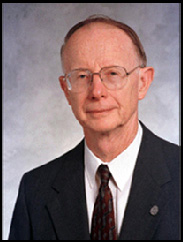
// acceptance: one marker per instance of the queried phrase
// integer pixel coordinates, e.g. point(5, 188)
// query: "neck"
point(108, 145)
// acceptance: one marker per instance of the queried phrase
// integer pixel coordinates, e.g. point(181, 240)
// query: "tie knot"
point(104, 174)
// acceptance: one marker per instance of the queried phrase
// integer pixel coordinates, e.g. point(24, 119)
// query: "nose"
point(96, 87)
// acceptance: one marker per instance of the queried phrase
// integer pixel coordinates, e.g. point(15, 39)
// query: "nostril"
point(96, 97)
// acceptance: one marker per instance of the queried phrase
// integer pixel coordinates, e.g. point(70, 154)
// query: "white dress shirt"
point(121, 169)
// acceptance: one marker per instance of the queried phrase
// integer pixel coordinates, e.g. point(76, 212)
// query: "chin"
point(101, 126)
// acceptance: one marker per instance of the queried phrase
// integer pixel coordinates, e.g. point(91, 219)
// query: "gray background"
point(38, 125)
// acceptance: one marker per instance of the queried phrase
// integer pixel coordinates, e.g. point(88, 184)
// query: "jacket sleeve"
point(20, 228)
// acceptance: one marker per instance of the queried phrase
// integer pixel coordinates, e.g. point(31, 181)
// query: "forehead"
point(98, 43)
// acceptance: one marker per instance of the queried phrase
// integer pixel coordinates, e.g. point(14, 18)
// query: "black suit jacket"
point(52, 202)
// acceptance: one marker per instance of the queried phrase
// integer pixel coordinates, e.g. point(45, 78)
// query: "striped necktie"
point(103, 221)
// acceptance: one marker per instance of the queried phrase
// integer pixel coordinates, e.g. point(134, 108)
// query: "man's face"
point(92, 47)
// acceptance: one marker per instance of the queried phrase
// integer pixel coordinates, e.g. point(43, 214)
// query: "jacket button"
point(154, 210)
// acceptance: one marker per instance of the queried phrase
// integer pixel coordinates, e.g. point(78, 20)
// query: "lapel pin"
point(154, 210)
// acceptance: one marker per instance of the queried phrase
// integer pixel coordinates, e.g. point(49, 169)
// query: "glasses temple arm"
point(128, 73)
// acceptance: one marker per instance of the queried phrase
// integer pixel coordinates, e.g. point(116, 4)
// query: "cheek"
point(127, 99)
point(134, 94)
point(77, 105)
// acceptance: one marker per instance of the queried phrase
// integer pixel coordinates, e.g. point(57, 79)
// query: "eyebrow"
point(88, 69)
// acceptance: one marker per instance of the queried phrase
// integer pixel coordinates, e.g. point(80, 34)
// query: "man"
point(121, 181)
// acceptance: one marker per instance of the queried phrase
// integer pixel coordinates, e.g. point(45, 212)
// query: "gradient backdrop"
point(38, 125)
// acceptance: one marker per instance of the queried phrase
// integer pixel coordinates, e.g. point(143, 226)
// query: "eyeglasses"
point(113, 78)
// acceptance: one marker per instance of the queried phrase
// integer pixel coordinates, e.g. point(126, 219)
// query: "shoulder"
point(159, 143)
point(44, 175)
point(160, 148)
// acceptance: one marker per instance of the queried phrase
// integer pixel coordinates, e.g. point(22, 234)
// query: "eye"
point(112, 73)
point(82, 76)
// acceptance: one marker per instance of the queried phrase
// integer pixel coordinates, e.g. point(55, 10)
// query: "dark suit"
point(52, 204)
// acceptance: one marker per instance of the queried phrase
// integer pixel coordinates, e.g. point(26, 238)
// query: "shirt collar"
point(121, 167)
point(91, 165)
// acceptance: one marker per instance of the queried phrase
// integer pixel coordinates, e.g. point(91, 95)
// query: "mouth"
point(99, 111)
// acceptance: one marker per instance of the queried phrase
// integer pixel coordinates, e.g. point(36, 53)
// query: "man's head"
point(104, 19)
point(94, 44)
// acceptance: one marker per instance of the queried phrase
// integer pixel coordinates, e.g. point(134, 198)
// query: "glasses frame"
point(66, 76)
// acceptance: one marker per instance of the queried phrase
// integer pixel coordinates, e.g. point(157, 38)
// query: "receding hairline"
point(106, 20)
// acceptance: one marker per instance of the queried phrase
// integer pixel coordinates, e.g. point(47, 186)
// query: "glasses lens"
point(113, 77)
point(78, 80)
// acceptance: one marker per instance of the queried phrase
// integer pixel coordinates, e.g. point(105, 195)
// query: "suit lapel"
point(147, 196)
point(68, 207)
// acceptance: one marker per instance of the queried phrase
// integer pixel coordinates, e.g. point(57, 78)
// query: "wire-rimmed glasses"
point(112, 77)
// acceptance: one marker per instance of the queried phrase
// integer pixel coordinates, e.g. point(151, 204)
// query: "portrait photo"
point(91, 121)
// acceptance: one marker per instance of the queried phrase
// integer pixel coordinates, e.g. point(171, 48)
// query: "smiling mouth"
point(100, 110)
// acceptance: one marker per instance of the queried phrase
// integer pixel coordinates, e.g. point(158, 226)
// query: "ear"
point(145, 80)
point(64, 87)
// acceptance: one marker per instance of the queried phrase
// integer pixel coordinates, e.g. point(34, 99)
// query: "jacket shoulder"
point(159, 143)
point(45, 174)
point(161, 149)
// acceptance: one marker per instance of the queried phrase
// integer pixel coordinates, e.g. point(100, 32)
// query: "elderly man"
point(121, 181)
